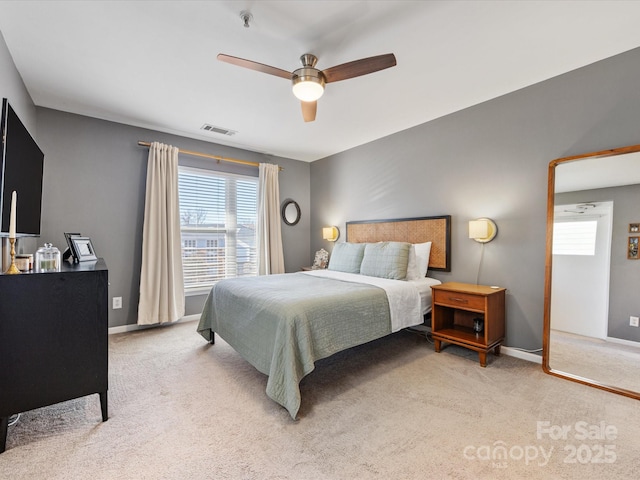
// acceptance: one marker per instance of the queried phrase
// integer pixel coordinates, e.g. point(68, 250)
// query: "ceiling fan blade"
point(359, 67)
point(260, 67)
point(309, 111)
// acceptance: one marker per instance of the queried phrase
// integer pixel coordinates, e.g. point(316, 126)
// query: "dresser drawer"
point(458, 300)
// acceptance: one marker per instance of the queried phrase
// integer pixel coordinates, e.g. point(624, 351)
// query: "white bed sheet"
point(424, 287)
point(406, 298)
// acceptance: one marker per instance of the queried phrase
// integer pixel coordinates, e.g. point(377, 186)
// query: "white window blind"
point(218, 218)
point(575, 237)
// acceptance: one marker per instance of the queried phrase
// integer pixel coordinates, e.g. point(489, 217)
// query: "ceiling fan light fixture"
point(308, 84)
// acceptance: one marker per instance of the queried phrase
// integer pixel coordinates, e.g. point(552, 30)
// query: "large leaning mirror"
point(592, 277)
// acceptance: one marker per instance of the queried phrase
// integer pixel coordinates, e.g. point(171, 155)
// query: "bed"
point(375, 285)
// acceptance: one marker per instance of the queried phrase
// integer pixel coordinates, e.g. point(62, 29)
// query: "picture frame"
point(632, 248)
point(634, 228)
point(83, 248)
point(70, 253)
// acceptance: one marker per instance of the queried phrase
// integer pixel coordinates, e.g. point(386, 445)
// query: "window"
point(218, 218)
point(575, 237)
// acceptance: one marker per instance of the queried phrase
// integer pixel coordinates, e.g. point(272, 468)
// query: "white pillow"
point(418, 260)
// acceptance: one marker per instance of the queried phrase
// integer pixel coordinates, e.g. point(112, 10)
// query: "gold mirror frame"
point(548, 269)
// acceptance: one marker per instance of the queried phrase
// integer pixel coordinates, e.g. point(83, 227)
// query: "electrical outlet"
point(634, 321)
point(117, 302)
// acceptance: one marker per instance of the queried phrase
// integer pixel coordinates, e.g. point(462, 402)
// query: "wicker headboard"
point(436, 230)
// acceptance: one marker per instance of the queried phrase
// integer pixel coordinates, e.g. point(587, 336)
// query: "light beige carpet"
point(391, 409)
point(600, 360)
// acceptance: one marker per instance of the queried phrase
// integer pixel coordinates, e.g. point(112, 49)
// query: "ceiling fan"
point(308, 82)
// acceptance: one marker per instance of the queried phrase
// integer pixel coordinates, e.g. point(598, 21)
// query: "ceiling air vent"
point(220, 130)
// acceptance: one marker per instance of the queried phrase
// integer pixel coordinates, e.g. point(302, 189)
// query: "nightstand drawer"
point(458, 299)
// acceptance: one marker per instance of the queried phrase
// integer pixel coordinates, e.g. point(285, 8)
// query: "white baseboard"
point(515, 352)
point(134, 327)
point(510, 351)
point(621, 341)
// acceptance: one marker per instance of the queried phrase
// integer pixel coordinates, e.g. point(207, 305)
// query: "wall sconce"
point(330, 233)
point(483, 230)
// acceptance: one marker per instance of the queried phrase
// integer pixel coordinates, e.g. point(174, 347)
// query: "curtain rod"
point(213, 157)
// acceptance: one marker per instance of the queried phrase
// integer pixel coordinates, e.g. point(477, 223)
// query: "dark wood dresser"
point(53, 338)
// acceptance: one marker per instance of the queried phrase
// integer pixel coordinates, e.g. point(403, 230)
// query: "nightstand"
point(307, 269)
point(455, 309)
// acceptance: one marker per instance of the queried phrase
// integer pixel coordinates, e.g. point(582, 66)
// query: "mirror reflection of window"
point(575, 237)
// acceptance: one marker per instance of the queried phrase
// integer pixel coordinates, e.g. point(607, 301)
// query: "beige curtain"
point(270, 256)
point(161, 282)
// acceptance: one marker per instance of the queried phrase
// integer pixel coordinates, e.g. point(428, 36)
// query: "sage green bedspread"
point(282, 324)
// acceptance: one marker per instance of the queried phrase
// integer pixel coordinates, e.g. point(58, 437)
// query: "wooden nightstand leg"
point(436, 345)
point(497, 350)
point(483, 358)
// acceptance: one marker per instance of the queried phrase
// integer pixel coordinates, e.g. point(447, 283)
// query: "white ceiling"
point(153, 63)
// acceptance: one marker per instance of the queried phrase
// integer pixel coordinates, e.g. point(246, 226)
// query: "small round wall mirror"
point(290, 212)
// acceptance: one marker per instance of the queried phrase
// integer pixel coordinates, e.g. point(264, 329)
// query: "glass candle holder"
point(48, 259)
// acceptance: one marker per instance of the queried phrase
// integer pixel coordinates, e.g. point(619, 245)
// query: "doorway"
point(581, 250)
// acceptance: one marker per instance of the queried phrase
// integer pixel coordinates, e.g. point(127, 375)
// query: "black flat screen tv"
point(22, 172)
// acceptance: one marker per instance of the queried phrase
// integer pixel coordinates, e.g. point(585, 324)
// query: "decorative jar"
point(24, 261)
point(48, 259)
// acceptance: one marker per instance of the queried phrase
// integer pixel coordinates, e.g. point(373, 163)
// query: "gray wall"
point(12, 88)
point(624, 282)
point(94, 183)
point(488, 160)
